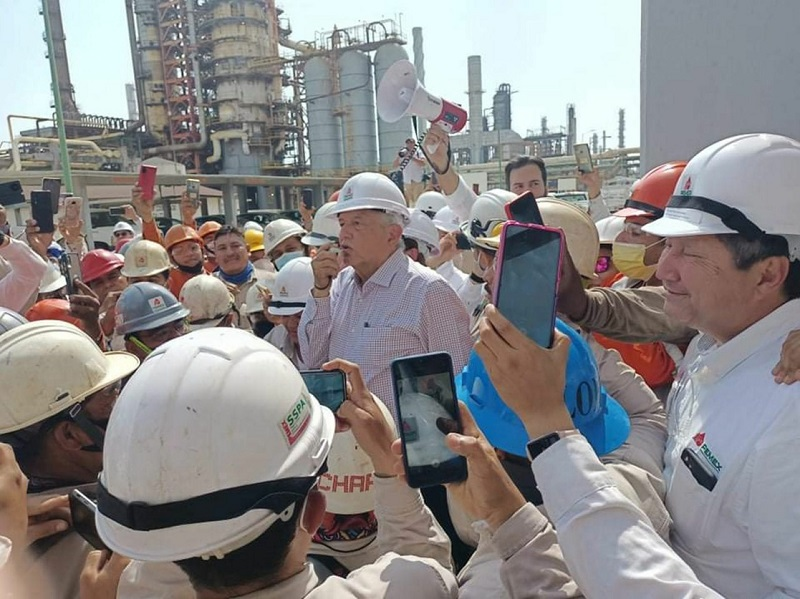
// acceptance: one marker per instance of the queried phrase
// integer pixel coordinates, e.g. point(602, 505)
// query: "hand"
point(47, 518)
point(592, 181)
point(101, 574)
point(787, 371)
point(39, 242)
point(306, 214)
point(13, 500)
point(572, 299)
point(325, 266)
point(436, 143)
point(130, 212)
point(488, 493)
point(71, 233)
point(188, 208)
point(142, 206)
point(365, 419)
point(530, 379)
point(85, 306)
point(447, 251)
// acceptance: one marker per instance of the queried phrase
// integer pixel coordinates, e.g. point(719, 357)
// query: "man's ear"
point(313, 511)
point(70, 437)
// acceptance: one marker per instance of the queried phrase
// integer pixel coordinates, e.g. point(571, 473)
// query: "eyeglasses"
point(158, 336)
point(602, 265)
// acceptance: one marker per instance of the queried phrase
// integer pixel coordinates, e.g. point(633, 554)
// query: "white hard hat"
point(487, 212)
point(52, 279)
point(446, 220)
point(123, 226)
point(252, 225)
point(424, 440)
point(430, 201)
point(324, 229)
point(253, 303)
point(744, 184)
point(278, 231)
point(145, 258)
point(48, 366)
point(371, 191)
point(293, 283)
point(208, 300)
point(194, 427)
point(422, 229)
point(580, 233)
point(608, 228)
point(10, 320)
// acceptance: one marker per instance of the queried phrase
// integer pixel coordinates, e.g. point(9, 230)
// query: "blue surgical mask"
point(286, 258)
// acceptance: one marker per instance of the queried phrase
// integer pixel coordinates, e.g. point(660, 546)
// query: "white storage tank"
point(391, 136)
point(358, 104)
point(324, 129)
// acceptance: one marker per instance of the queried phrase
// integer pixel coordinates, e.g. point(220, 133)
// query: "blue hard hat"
point(146, 306)
point(596, 414)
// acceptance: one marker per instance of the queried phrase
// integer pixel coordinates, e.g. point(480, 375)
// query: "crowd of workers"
point(165, 385)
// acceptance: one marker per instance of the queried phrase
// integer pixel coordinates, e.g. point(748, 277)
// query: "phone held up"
point(147, 181)
point(328, 386)
point(193, 191)
point(526, 283)
point(308, 198)
point(42, 210)
point(524, 209)
point(83, 510)
point(583, 157)
point(427, 409)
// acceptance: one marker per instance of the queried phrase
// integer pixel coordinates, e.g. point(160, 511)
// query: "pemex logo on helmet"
point(687, 187)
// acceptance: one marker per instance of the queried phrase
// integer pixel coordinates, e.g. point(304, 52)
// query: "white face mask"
point(286, 258)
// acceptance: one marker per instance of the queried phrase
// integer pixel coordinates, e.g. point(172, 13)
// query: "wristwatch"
point(537, 446)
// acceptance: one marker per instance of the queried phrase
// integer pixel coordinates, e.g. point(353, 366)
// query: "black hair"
point(521, 161)
point(228, 230)
point(747, 252)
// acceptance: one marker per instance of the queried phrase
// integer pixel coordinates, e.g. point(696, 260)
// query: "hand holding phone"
point(72, 211)
point(193, 191)
point(147, 182)
point(328, 386)
point(583, 157)
point(42, 211)
point(83, 511)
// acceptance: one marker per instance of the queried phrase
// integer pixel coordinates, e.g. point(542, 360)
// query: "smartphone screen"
point(116, 211)
point(583, 157)
point(524, 209)
point(54, 187)
point(147, 181)
point(193, 189)
point(328, 386)
point(427, 410)
point(42, 210)
point(529, 261)
point(83, 510)
point(308, 198)
point(66, 270)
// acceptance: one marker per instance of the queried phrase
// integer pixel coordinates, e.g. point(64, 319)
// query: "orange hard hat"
point(53, 309)
point(97, 263)
point(180, 233)
point(334, 197)
point(208, 228)
point(650, 194)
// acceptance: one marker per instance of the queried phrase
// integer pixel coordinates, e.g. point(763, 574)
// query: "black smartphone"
point(425, 398)
point(83, 510)
point(42, 210)
point(54, 187)
point(524, 209)
point(526, 283)
point(116, 211)
point(11, 193)
point(66, 270)
point(462, 241)
point(701, 472)
point(328, 386)
point(308, 198)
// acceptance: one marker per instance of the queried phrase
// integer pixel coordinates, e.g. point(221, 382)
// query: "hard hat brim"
point(317, 239)
point(686, 222)
point(629, 212)
point(610, 430)
point(287, 311)
point(54, 286)
point(377, 204)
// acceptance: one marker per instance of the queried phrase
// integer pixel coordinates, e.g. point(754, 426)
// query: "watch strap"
point(537, 446)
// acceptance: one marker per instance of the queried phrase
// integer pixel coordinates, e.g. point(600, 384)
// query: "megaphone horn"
point(401, 94)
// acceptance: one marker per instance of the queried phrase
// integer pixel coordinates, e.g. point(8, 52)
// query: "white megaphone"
point(401, 94)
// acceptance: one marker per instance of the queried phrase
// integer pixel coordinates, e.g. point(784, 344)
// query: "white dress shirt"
point(402, 310)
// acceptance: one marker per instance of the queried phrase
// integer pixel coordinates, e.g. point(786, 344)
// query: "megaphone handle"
point(432, 149)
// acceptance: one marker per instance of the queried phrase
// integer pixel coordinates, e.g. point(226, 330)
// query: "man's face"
point(122, 235)
point(231, 253)
point(292, 323)
point(365, 236)
point(632, 233)
point(704, 288)
point(187, 253)
point(293, 244)
point(112, 281)
point(208, 243)
point(155, 338)
point(527, 178)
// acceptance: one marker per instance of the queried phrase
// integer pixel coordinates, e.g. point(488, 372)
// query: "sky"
point(552, 52)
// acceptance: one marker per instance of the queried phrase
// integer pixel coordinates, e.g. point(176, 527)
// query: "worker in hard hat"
point(282, 242)
point(146, 262)
point(207, 231)
point(122, 232)
point(148, 316)
point(324, 232)
point(607, 229)
point(258, 298)
point(185, 249)
point(210, 303)
point(412, 163)
point(255, 244)
point(258, 545)
point(420, 237)
point(731, 269)
point(430, 202)
point(234, 267)
point(25, 270)
point(101, 270)
point(53, 284)
point(291, 288)
point(59, 389)
point(382, 304)
point(447, 226)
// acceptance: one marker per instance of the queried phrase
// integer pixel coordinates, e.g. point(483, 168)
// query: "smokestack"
point(621, 128)
point(572, 128)
point(475, 94)
point(545, 130)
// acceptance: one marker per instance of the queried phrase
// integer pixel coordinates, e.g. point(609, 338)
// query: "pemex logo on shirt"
point(700, 441)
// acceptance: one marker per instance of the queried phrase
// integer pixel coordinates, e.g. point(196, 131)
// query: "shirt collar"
point(723, 358)
point(299, 585)
point(385, 274)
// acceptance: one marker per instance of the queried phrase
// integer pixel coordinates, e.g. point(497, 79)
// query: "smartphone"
point(147, 181)
point(462, 241)
point(328, 386)
point(83, 511)
point(193, 189)
point(308, 198)
point(65, 267)
point(116, 211)
point(72, 211)
point(583, 157)
point(54, 187)
point(526, 282)
point(524, 209)
point(425, 398)
point(11, 193)
point(42, 210)
point(701, 472)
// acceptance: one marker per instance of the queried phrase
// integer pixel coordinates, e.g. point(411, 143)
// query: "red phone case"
point(147, 181)
point(498, 278)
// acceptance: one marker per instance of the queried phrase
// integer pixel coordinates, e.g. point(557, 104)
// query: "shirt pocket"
point(688, 503)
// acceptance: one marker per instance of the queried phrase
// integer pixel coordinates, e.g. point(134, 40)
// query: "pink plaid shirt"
point(402, 310)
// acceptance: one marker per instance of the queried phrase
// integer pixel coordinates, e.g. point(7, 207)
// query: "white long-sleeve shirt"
point(27, 270)
point(741, 539)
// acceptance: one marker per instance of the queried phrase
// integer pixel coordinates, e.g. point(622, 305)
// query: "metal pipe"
point(138, 77)
point(62, 133)
point(218, 136)
point(201, 116)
